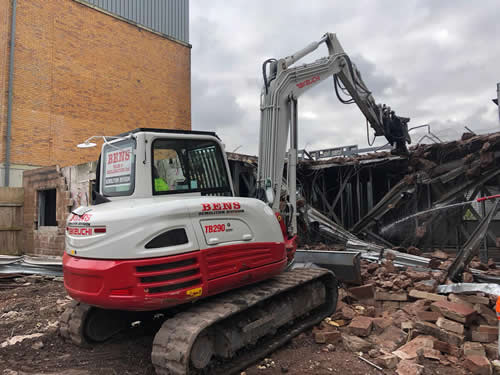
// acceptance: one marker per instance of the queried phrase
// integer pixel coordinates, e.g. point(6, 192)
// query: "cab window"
point(181, 166)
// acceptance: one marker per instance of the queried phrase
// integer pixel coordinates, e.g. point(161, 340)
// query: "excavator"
point(166, 235)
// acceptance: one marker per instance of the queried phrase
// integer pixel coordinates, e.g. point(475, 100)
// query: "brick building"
point(83, 68)
point(80, 68)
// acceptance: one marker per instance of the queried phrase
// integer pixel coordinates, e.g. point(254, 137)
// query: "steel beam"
point(471, 246)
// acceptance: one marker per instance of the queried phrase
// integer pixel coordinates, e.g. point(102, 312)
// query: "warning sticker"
point(196, 292)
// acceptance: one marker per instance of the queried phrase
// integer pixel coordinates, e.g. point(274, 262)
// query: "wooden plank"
point(11, 216)
point(10, 242)
point(11, 220)
point(11, 195)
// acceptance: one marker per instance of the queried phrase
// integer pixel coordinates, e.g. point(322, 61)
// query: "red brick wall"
point(80, 72)
point(44, 240)
point(4, 69)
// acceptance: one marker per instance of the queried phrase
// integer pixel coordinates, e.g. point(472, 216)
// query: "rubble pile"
point(398, 322)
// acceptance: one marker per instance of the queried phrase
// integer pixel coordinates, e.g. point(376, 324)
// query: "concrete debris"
point(14, 340)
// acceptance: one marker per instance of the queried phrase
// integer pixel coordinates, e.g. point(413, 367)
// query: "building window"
point(47, 208)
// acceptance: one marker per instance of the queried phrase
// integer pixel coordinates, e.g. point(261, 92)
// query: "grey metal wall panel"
point(170, 17)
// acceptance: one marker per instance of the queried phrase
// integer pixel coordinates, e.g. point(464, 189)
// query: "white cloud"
point(435, 62)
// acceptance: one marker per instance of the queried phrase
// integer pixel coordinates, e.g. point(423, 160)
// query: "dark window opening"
point(47, 208)
point(170, 238)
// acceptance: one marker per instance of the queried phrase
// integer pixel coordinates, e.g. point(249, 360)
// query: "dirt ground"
point(34, 306)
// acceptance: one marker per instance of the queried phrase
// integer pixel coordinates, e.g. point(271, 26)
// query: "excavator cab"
point(154, 162)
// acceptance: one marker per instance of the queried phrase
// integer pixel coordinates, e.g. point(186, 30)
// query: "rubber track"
point(71, 323)
point(173, 342)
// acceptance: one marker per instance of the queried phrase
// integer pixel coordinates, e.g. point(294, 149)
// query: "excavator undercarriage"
point(225, 333)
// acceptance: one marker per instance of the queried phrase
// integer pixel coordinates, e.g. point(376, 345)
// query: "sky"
point(436, 62)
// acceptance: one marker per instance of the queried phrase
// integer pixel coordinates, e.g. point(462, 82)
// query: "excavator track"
point(84, 325)
point(229, 332)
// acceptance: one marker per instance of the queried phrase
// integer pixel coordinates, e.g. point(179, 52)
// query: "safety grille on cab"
point(171, 276)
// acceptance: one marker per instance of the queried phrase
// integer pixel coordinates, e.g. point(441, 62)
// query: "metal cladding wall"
point(169, 17)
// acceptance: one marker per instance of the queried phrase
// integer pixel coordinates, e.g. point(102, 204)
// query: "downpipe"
point(9, 94)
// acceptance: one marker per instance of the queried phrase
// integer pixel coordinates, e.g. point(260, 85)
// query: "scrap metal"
point(471, 247)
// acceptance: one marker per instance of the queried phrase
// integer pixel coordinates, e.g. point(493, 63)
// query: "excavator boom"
point(283, 85)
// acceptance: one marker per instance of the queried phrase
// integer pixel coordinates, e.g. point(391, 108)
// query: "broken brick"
point(426, 285)
point(478, 365)
point(387, 361)
point(409, 350)
point(414, 251)
point(389, 265)
point(418, 276)
point(361, 326)
point(439, 254)
point(491, 351)
point(492, 330)
point(327, 337)
point(362, 292)
point(488, 314)
point(385, 296)
point(419, 305)
point(457, 299)
point(347, 312)
point(425, 295)
point(450, 325)
point(409, 368)
point(428, 316)
point(447, 348)
point(380, 324)
point(472, 299)
point(467, 277)
point(427, 328)
point(491, 264)
point(406, 326)
point(355, 343)
point(455, 311)
point(478, 336)
point(473, 348)
point(429, 353)
point(391, 339)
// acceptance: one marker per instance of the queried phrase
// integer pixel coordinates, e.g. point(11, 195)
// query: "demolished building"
point(363, 194)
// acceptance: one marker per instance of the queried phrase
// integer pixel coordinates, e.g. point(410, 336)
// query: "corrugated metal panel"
point(170, 17)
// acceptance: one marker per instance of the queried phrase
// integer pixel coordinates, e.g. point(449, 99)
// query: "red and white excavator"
point(167, 233)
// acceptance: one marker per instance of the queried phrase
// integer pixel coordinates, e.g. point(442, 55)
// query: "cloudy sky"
point(434, 61)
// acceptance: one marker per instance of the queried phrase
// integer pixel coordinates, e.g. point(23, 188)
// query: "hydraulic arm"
point(283, 84)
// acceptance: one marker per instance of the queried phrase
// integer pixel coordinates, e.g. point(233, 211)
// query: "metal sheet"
point(345, 264)
point(7, 259)
point(31, 266)
point(469, 288)
point(169, 17)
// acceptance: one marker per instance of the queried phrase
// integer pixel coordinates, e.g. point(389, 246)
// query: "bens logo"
point(84, 218)
point(220, 206)
point(308, 82)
